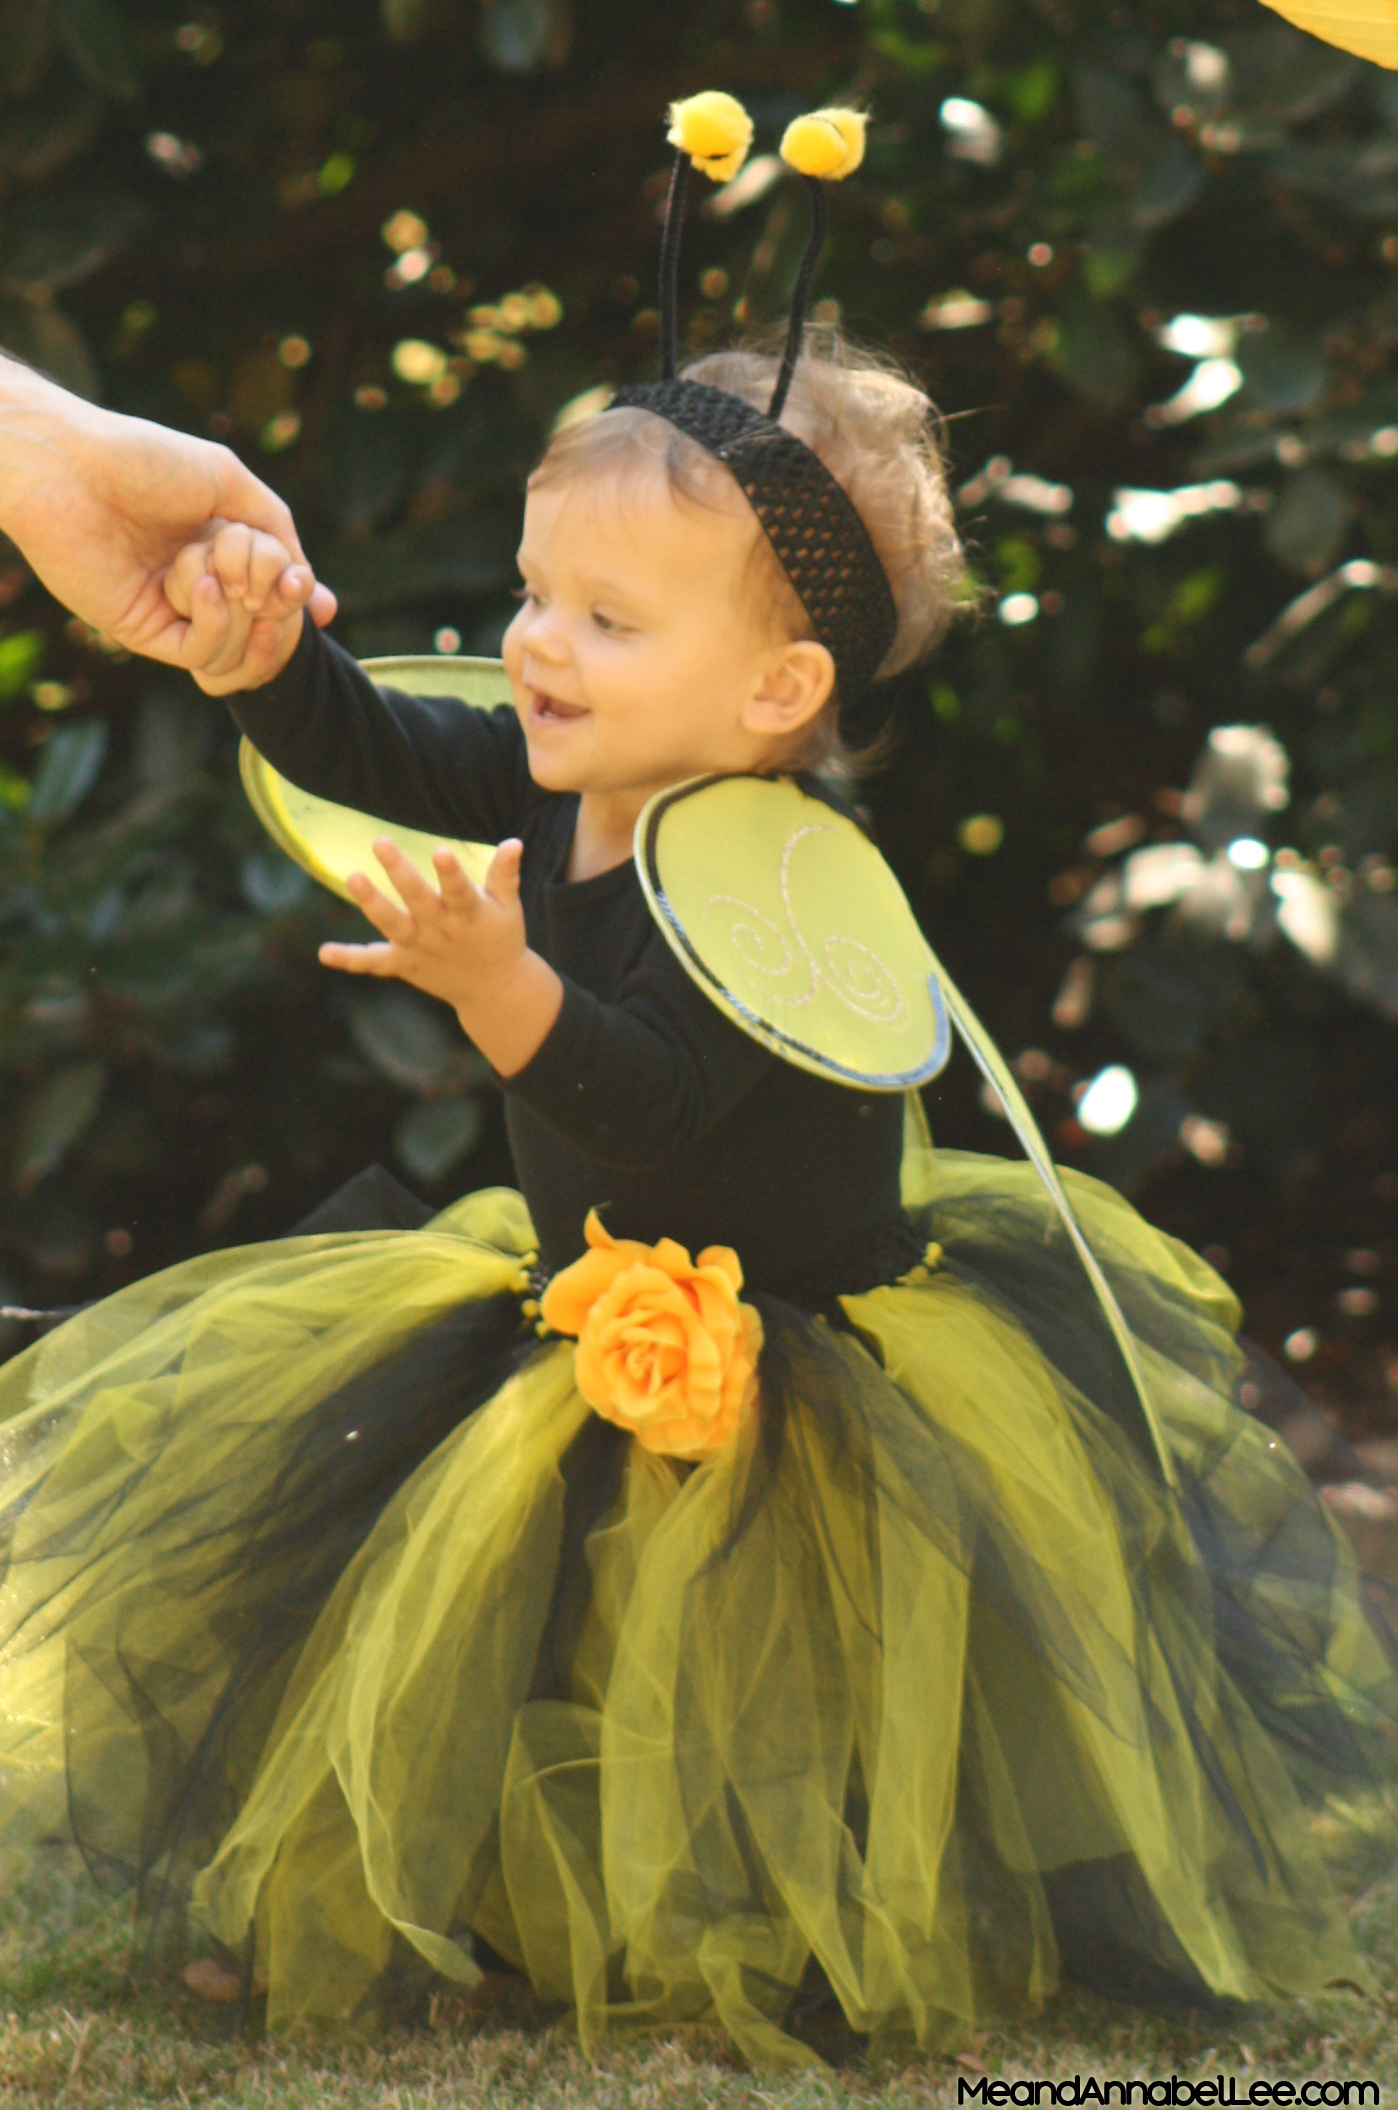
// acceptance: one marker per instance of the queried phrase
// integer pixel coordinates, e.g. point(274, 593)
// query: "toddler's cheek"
point(512, 653)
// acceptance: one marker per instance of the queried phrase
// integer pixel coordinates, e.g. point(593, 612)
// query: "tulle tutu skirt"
point(334, 1621)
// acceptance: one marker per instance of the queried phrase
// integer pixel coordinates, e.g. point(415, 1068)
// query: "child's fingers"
point(210, 619)
point(189, 567)
point(385, 915)
point(502, 879)
point(267, 651)
point(229, 647)
point(293, 590)
point(457, 890)
point(264, 654)
point(360, 959)
point(231, 559)
point(422, 899)
point(267, 562)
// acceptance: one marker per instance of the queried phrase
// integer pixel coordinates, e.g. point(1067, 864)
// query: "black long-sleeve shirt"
point(643, 1095)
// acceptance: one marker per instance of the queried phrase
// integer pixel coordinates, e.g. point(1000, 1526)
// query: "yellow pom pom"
point(828, 143)
point(714, 130)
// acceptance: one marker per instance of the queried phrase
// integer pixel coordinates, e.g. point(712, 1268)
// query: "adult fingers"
point(385, 915)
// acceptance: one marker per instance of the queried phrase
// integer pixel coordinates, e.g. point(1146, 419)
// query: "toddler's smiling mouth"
point(549, 710)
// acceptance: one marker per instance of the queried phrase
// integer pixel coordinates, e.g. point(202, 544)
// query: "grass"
point(78, 2029)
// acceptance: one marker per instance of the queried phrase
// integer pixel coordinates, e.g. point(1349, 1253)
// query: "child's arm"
point(631, 1082)
point(424, 762)
point(464, 944)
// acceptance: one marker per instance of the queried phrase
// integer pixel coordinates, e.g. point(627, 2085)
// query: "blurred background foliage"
point(1145, 259)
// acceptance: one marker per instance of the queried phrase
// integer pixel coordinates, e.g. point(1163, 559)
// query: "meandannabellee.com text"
point(1220, 2088)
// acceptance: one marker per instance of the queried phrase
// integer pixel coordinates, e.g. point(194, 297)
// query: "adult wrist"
point(36, 416)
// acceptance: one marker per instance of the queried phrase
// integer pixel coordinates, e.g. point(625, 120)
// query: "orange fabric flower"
point(665, 1348)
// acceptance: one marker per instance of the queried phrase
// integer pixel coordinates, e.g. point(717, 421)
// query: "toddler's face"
point(638, 649)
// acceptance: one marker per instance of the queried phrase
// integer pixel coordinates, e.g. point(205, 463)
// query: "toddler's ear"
point(796, 686)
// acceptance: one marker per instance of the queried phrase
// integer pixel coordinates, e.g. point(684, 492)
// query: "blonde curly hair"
point(876, 432)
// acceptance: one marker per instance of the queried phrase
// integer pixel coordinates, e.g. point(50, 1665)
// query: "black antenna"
point(670, 264)
point(796, 329)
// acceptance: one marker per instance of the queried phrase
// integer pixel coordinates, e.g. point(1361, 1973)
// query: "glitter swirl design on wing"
point(849, 969)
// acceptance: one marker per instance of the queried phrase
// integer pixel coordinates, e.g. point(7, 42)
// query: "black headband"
point(810, 520)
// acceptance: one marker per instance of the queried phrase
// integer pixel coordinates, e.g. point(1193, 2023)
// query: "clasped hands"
point(131, 526)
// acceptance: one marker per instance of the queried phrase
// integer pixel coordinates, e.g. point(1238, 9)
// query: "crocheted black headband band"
point(810, 520)
point(820, 541)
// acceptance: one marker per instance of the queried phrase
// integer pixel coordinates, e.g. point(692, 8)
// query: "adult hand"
point(100, 504)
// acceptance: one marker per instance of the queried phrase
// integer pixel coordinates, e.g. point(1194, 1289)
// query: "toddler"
point(732, 1572)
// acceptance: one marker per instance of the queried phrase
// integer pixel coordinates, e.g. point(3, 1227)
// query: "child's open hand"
point(461, 944)
point(222, 584)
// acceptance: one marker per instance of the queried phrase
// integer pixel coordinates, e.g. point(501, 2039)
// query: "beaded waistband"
point(886, 1252)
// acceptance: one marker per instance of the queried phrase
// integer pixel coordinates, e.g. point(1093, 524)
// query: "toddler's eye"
point(523, 593)
point(609, 624)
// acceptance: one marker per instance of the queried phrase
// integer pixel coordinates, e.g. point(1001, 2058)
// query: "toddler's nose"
point(543, 638)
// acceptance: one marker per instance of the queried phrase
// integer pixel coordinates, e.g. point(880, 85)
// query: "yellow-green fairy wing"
point(785, 913)
point(1369, 28)
point(788, 918)
point(998, 1074)
point(332, 841)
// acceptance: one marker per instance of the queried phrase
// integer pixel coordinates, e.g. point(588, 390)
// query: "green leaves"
point(1096, 350)
point(435, 1135)
point(21, 656)
point(409, 1039)
point(1309, 526)
point(1283, 371)
point(46, 338)
point(72, 762)
point(519, 35)
point(61, 238)
point(271, 883)
point(97, 38)
point(54, 1120)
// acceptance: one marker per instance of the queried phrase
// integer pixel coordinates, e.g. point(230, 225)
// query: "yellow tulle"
point(915, 1673)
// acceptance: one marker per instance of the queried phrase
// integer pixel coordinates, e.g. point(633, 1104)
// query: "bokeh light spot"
point(1109, 1101)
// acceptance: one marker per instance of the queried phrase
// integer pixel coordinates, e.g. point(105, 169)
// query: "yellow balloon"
point(1368, 28)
